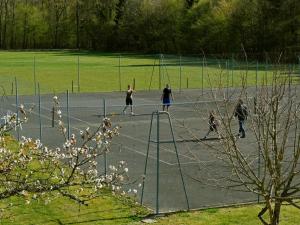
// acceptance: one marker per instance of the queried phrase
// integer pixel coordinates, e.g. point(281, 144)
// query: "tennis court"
point(198, 158)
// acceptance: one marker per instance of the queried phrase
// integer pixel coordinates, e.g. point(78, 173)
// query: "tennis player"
point(166, 97)
point(128, 100)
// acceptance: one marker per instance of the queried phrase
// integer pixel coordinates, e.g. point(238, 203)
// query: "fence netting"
point(199, 167)
point(57, 72)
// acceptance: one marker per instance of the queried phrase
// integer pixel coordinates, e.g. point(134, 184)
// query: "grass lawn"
point(111, 210)
point(229, 216)
point(55, 71)
point(106, 210)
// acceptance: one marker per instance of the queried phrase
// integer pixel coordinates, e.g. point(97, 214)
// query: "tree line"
point(170, 26)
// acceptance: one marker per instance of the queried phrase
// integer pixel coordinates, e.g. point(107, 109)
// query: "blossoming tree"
point(31, 170)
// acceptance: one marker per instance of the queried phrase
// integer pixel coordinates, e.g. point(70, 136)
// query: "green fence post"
point(290, 77)
point(259, 156)
point(159, 73)
point(12, 88)
point(227, 76)
point(187, 83)
point(157, 164)
point(53, 116)
point(68, 115)
point(299, 64)
point(146, 162)
point(120, 83)
point(133, 83)
point(34, 76)
point(17, 109)
point(40, 118)
point(180, 73)
point(232, 69)
point(78, 74)
point(178, 161)
point(298, 73)
point(202, 80)
point(256, 78)
point(104, 154)
point(266, 72)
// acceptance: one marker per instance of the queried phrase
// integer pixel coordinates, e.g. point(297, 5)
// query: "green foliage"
point(173, 26)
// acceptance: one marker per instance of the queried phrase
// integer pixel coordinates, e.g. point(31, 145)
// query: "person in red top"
point(128, 99)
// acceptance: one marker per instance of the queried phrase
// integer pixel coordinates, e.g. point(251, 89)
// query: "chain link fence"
point(87, 72)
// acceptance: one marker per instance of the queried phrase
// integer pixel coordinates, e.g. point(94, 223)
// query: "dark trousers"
point(242, 128)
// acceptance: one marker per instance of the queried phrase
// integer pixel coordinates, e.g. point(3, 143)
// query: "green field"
point(106, 210)
point(110, 210)
point(55, 71)
point(229, 216)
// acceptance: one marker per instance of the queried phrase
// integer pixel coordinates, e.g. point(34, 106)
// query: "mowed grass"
point(229, 216)
point(104, 210)
point(56, 70)
point(111, 210)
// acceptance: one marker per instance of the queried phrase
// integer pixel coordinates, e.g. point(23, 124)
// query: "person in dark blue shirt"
point(166, 98)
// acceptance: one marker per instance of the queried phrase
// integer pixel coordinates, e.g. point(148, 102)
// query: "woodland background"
point(166, 26)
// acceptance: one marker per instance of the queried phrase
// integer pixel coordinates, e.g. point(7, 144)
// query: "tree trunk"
point(4, 45)
point(25, 24)
point(276, 213)
point(13, 24)
point(1, 13)
point(77, 25)
point(55, 35)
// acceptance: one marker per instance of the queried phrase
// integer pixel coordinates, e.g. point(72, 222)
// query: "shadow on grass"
point(168, 60)
point(94, 216)
point(132, 218)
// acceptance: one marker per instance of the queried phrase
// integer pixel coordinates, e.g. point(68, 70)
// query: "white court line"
point(165, 162)
point(131, 149)
point(91, 125)
point(144, 154)
point(196, 162)
point(127, 136)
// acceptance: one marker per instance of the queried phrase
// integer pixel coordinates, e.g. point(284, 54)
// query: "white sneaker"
point(132, 113)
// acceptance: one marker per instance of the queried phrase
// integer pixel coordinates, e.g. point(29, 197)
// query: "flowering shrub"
point(34, 171)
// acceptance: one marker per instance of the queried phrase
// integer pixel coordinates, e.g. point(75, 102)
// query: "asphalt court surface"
point(189, 114)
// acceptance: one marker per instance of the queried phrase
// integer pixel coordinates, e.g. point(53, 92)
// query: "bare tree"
point(57, 15)
point(269, 166)
point(274, 172)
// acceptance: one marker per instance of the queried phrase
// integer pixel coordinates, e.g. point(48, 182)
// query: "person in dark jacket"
point(166, 97)
point(241, 112)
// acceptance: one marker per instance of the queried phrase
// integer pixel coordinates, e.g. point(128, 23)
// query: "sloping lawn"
point(229, 216)
point(111, 210)
point(106, 210)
